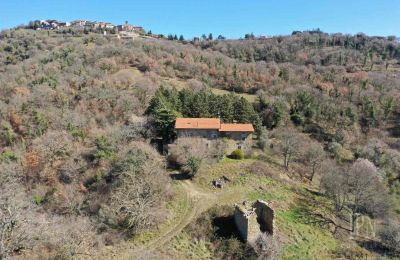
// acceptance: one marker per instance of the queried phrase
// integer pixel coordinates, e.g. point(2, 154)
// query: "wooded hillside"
point(78, 114)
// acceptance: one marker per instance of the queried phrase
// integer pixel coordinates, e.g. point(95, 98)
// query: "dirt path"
point(200, 200)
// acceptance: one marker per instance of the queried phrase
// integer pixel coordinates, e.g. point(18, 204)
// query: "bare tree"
point(14, 235)
point(139, 182)
point(332, 183)
point(314, 156)
point(366, 192)
point(290, 145)
point(196, 149)
point(54, 145)
point(360, 190)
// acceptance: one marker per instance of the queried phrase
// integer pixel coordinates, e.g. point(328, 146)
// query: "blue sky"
point(229, 18)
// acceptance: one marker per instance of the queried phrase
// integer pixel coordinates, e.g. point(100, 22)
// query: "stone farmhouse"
point(238, 136)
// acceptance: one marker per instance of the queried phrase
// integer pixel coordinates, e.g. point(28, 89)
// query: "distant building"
point(105, 25)
point(91, 25)
point(78, 23)
point(129, 28)
point(48, 25)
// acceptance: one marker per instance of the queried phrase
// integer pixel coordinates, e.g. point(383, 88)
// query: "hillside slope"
point(80, 116)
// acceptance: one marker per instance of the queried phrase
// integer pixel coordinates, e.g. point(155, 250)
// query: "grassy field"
point(251, 98)
point(180, 84)
point(300, 228)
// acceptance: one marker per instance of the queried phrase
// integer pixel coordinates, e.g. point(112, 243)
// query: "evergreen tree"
point(227, 108)
point(164, 122)
point(186, 97)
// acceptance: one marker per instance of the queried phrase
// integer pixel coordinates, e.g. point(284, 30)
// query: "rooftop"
point(236, 128)
point(197, 123)
point(211, 123)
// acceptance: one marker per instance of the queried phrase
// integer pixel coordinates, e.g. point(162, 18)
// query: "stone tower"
point(252, 220)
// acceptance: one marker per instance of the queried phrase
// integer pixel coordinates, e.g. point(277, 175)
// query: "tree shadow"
point(377, 248)
point(225, 227)
point(313, 212)
point(179, 176)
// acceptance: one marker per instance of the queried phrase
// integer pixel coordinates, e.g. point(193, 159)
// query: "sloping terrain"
point(82, 114)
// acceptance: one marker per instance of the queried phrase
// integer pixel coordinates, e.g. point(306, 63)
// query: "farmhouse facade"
point(239, 136)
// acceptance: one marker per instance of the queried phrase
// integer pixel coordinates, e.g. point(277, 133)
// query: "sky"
point(232, 19)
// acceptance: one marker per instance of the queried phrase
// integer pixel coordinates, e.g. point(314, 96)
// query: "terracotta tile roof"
point(211, 123)
point(236, 128)
point(197, 123)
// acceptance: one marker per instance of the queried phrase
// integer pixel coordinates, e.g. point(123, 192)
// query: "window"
point(243, 136)
point(214, 136)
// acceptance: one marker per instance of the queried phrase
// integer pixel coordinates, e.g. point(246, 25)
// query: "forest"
point(79, 113)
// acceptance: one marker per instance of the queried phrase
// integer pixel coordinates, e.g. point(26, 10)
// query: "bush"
point(105, 149)
point(7, 156)
point(193, 165)
point(238, 154)
point(263, 141)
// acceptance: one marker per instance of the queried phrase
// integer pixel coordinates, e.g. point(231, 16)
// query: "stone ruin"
point(252, 220)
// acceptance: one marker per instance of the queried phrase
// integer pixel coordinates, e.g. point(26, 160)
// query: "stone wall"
point(202, 133)
point(253, 219)
point(234, 140)
point(241, 222)
point(265, 216)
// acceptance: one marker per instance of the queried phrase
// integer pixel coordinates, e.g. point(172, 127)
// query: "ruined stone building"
point(254, 219)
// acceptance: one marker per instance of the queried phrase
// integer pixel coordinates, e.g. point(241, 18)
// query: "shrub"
point(263, 141)
point(238, 154)
point(8, 136)
point(7, 156)
point(193, 165)
point(38, 199)
point(105, 149)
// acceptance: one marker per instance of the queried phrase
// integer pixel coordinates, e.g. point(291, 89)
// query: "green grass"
point(181, 84)
point(8, 156)
point(235, 170)
point(251, 98)
point(307, 241)
point(298, 211)
point(183, 247)
point(272, 194)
